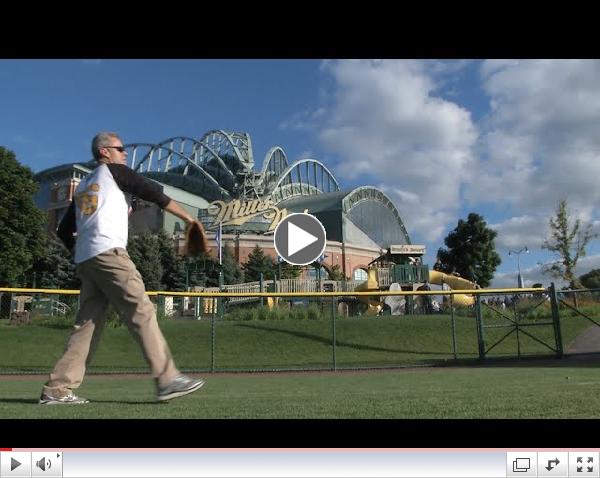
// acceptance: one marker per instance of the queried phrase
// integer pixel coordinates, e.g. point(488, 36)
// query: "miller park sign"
point(236, 212)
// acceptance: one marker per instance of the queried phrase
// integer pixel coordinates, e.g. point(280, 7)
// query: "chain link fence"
point(275, 331)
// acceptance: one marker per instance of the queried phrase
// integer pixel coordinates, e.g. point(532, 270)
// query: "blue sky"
point(505, 139)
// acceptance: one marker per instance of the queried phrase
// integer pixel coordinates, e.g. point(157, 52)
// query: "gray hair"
point(100, 140)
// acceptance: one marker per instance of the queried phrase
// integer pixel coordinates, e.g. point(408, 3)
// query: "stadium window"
point(360, 274)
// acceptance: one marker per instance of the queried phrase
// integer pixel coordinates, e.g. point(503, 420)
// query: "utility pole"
point(520, 284)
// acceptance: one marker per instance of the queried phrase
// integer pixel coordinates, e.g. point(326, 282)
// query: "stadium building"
point(215, 178)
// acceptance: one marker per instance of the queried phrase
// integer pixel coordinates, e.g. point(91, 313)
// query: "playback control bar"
point(298, 463)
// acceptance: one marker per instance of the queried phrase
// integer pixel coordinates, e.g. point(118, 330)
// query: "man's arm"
point(174, 208)
point(131, 182)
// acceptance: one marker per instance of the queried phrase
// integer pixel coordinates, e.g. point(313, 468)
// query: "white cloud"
point(534, 275)
point(541, 140)
point(522, 231)
point(386, 121)
point(539, 143)
point(304, 120)
point(532, 231)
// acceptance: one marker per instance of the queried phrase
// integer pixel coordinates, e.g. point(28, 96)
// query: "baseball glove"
point(195, 239)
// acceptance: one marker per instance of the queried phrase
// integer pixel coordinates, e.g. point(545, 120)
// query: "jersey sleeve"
point(131, 182)
point(68, 227)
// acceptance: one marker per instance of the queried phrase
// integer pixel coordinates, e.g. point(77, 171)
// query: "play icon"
point(300, 239)
point(15, 464)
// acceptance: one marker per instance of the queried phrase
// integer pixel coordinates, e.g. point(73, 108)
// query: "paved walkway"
point(587, 342)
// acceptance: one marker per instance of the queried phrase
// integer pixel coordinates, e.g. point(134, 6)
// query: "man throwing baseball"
point(99, 215)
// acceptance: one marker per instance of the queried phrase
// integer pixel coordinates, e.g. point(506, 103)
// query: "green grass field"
point(283, 344)
point(494, 392)
point(509, 388)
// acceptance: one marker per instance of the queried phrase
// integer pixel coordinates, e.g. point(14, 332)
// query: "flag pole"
point(220, 243)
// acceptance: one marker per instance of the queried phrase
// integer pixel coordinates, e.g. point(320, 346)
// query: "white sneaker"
point(179, 387)
point(70, 399)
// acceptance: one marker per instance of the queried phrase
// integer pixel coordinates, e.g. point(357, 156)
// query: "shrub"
point(281, 312)
point(263, 313)
point(313, 312)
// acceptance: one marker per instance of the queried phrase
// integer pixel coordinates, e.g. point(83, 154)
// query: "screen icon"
point(583, 463)
point(523, 463)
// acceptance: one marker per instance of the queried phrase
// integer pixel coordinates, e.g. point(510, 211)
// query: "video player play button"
point(300, 239)
point(15, 464)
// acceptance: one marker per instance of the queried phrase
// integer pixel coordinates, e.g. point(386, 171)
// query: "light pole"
point(518, 254)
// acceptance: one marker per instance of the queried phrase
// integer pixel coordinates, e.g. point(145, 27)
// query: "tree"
point(336, 273)
point(290, 271)
point(22, 224)
point(145, 253)
point(232, 272)
point(591, 280)
point(174, 268)
point(55, 269)
point(568, 243)
point(201, 271)
point(204, 270)
point(258, 263)
point(471, 251)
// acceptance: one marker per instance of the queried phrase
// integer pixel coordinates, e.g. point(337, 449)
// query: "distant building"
point(214, 179)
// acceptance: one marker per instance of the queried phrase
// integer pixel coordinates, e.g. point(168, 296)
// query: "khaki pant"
point(111, 278)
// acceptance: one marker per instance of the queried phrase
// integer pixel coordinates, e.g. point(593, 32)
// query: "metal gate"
point(522, 323)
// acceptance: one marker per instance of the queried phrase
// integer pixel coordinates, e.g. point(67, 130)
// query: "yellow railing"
point(529, 290)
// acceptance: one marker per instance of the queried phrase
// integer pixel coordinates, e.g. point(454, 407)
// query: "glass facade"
point(376, 221)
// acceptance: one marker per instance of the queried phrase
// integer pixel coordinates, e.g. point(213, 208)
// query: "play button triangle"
point(298, 239)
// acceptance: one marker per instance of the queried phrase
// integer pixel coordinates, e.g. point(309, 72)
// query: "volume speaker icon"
point(43, 463)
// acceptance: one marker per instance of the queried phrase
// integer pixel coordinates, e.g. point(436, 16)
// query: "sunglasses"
point(120, 149)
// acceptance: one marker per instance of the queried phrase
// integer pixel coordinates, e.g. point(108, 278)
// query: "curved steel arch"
point(174, 162)
point(196, 149)
point(302, 178)
point(274, 165)
point(240, 144)
point(369, 193)
point(206, 158)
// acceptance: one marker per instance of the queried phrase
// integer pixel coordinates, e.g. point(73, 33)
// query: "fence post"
point(333, 338)
point(556, 320)
point(453, 326)
point(213, 326)
point(262, 288)
point(213, 337)
point(516, 314)
point(479, 320)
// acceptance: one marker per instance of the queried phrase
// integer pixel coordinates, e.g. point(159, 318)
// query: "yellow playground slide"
point(374, 306)
point(439, 278)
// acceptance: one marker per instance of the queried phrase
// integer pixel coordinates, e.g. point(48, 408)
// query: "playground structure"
point(406, 272)
point(454, 282)
point(374, 305)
